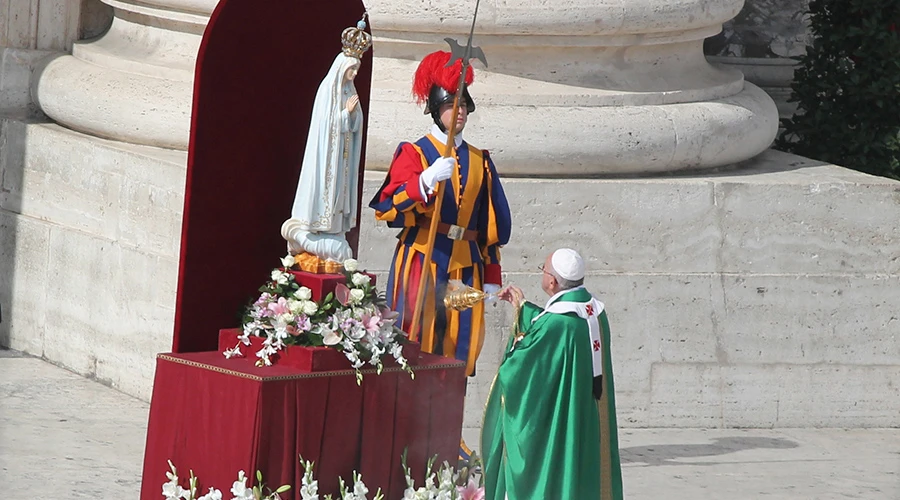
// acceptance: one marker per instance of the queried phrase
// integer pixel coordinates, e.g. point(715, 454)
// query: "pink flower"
point(372, 323)
point(263, 299)
point(342, 294)
point(279, 308)
point(471, 491)
point(303, 323)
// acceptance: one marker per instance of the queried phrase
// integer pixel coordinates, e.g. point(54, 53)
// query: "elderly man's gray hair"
point(565, 284)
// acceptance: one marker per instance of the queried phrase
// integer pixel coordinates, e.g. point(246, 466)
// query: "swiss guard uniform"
point(474, 221)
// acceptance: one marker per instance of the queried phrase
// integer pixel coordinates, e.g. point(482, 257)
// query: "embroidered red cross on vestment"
point(590, 310)
point(596, 345)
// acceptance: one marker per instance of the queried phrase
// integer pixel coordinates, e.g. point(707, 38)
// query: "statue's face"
point(351, 72)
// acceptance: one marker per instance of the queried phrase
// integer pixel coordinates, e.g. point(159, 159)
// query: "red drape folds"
point(218, 416)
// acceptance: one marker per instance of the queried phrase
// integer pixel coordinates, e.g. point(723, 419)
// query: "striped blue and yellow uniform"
point(474, 201)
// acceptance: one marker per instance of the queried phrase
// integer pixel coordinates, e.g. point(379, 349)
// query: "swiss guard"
point(474, 217)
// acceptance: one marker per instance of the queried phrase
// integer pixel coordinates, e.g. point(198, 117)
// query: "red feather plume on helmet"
point(433, 71)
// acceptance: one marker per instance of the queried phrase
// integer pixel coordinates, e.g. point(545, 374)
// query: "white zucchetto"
point(568, 264)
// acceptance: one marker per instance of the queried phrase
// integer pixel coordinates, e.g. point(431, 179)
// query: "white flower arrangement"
point(439, 485)
point(442, 484)
point(354, 319)
point(171, 490)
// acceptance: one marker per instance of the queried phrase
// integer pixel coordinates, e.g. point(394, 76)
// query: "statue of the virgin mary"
point(326, 201)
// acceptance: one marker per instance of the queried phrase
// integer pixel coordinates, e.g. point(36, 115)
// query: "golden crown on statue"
point(355, 40)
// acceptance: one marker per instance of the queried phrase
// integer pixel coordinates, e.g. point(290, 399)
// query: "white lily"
point(234, 352)
point(240, 490)
point(213, 494)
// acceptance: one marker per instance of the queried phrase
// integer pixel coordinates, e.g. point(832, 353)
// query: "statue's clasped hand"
point(352, 102)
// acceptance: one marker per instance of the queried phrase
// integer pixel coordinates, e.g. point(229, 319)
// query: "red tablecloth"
point(217, 416)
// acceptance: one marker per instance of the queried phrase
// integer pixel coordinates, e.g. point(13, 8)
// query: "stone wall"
point(758, 298)
point(50, 24)
point(31, 31)
point(89, 243)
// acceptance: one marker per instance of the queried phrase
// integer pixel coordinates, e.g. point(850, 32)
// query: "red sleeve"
point(492, 274)
point(405, 170)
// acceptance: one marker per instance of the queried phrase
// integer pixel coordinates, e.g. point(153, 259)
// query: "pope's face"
point(447, 116)
point(548, 281)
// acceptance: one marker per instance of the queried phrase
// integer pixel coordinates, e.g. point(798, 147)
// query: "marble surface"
point(64, 436)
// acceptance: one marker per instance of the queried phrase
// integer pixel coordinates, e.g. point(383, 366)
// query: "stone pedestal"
point(584, 88)
point(135, 82)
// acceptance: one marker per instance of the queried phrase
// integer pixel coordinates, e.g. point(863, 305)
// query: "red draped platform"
point(217, 416)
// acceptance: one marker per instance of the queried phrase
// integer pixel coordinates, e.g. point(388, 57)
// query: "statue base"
point(321, 284)
point(314, 264)
point(308, 359)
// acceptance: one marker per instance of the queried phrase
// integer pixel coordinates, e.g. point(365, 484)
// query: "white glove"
point(440, 170)
point(491, 289)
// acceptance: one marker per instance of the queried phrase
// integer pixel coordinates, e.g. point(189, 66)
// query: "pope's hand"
point(513, 295)
point(352, 103)
point(440, 170)
point(491, 289)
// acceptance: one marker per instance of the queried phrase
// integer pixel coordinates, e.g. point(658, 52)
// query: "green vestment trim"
point(543, 436)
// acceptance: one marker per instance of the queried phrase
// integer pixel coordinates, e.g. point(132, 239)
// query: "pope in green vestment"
point(550, 421)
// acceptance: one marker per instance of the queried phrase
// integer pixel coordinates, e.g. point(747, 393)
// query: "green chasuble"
point(545, 435)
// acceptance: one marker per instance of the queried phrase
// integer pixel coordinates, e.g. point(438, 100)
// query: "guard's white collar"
point(442, 137)
point(560, 294)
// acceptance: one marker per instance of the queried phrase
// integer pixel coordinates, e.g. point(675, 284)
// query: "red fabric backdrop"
point(234, 416)
point(259, 66)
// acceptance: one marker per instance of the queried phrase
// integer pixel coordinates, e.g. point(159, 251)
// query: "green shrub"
point(847, 87)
